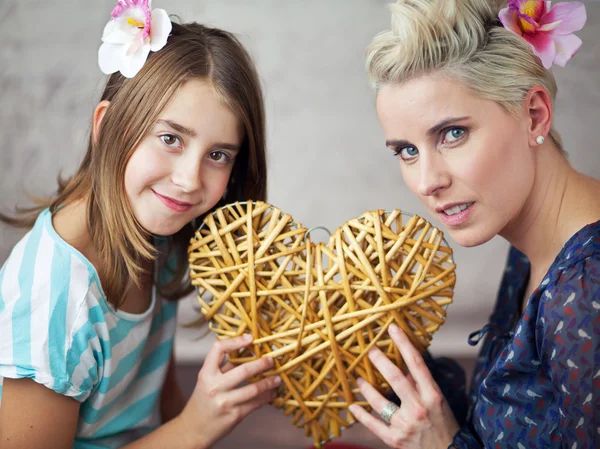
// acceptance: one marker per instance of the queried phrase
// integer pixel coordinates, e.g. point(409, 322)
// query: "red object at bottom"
point(335, 445)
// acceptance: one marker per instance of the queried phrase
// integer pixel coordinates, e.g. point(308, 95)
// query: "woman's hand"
point(217, 405)
point(424, 420)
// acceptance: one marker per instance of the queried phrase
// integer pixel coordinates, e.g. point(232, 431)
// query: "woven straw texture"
point(317, 309)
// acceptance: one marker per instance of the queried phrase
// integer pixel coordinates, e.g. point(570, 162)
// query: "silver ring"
point(387, 412)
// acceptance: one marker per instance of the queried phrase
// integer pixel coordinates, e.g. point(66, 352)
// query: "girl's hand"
point(217, 405)
point(424, 420)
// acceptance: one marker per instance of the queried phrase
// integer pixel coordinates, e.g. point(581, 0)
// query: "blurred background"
point(327, 158)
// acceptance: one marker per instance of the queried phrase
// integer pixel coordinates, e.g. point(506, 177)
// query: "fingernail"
point(394, 329)
point(360, 381)
point(352, 408)
point(270, 361)
point(277, 380)
point(247, 337)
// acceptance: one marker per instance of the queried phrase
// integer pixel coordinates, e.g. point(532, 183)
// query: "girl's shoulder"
point(43, 267)
point(49, 298)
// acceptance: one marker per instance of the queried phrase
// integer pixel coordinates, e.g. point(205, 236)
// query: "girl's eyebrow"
point(179, 128)
point(191, 133)
point(227, 146)
point(430, 132)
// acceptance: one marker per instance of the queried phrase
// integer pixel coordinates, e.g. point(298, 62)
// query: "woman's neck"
point(561, 202)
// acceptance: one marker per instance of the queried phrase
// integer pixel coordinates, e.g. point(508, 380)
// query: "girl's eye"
point(407, 153)
point(219, 156)
point(453, 135)
point(170, 140)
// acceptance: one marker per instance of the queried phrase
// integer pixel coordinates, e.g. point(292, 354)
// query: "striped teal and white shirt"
point(57, 328)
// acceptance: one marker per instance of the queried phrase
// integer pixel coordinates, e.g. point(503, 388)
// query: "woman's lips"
point(458, 218)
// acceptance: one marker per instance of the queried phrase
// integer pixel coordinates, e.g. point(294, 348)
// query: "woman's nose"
point(433, 175)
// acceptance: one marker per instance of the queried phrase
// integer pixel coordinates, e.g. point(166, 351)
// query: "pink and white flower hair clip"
point(133, 31)
point(548, 29)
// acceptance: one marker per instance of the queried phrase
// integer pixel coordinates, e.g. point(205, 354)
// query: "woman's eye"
point(170, 140)
point(407, 153)
point(453, 135)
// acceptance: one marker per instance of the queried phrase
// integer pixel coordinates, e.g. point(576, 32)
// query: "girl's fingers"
point(403, 387)
point(244, 372)
point(249, 392)
point(228, 366)
point(259, 401)
point(419, 371)
point(375, 425)
point(219, 349)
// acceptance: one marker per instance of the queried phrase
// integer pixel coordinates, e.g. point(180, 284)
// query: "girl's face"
point(181, 168)
point(463, 156)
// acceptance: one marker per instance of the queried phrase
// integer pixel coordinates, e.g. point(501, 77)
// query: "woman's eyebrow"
point(435, 129)
point(397, 143)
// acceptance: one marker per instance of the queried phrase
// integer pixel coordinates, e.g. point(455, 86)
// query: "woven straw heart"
point(317, 309)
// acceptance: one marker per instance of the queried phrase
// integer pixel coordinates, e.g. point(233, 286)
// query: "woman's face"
point(463, 156)
point(181, 168)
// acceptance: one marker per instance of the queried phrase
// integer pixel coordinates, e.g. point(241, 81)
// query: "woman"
point(465, 99)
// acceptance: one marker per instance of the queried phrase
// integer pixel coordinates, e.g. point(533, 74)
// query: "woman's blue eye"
point(408, 153)
point(453, 134)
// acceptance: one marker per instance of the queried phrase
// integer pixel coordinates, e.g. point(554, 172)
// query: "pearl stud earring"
point(540, 140)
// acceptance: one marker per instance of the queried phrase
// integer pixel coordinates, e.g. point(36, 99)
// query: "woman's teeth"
point(456, 209)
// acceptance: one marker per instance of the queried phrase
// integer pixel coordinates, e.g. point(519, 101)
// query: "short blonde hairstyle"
point(465, 40)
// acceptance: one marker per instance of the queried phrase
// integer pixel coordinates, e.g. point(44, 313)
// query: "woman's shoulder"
point(584, 244)
point(577, 266)
point(571, 290)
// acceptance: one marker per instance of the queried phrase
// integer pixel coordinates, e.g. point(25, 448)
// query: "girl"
point(87, 311)
point(465, 98)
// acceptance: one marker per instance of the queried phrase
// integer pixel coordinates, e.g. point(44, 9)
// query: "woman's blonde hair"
point(465, 40)
point(192, 51)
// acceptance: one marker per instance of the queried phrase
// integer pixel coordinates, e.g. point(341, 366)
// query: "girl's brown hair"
point(192, 51)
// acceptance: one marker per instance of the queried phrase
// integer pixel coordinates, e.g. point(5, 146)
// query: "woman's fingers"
point(419, 371)
point(219, 349)
point(245, 371)
point(373, 397)
point(375, 425)
point(402, 386)
point(249, 392)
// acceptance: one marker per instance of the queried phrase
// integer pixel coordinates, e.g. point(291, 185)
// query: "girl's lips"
point(457, 219)
point(174, 205)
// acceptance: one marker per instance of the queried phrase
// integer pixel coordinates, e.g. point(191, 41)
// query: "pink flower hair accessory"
point(133, 31)
point(548, 29)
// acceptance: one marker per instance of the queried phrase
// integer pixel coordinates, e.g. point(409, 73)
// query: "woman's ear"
point(538, 106)
point(97, 118)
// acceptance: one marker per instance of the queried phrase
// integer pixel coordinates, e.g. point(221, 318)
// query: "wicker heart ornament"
point(317, 309)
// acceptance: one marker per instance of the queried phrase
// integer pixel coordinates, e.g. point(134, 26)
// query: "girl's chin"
point(163, 229)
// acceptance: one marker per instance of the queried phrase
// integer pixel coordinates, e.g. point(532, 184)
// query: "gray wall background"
point(327, 158)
